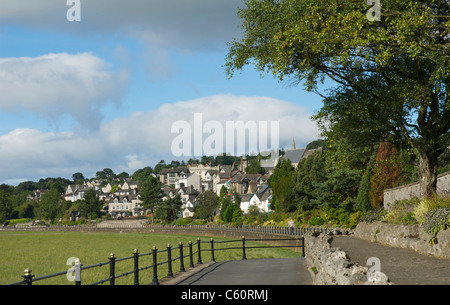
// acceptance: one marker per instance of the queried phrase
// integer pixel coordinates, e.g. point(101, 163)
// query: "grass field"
point(47, 252)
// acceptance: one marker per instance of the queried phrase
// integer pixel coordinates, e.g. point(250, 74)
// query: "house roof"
point(174, 170)
point(246, 197)
point(294, 155)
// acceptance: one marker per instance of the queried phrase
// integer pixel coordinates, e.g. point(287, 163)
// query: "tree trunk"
point(428, 172)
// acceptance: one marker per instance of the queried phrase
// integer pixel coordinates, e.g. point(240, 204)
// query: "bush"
point(427, 204)
point(354, 218)
point(435, 221)
point(316, 221)
point(278, 217)
point(183, 221)
point(373, 215)
point(402, 212)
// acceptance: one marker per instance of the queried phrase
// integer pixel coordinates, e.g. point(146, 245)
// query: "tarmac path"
point(402, 266)
point(275, 271)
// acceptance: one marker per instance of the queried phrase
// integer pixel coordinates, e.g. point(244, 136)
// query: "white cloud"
point(161, 26)
point(189, 25)
point(142, 139)
point(54, 85)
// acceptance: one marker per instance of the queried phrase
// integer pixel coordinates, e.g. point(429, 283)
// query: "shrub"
point(402, 212)
point(354, 218)
point(316, 221)
point(435, 221)
point(373, 215)
point(427, 204)
point(338, 216)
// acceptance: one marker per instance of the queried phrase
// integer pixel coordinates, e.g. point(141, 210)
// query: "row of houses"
point(189, 182)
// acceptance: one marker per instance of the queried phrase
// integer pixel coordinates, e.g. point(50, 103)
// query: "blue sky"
point(104, 92)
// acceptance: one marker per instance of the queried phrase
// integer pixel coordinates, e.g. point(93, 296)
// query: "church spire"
point(293, 143)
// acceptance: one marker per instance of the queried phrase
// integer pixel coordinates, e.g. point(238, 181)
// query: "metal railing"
point(78, 268)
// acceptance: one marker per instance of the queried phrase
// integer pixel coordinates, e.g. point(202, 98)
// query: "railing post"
point(191, 256)
point(169, 261)
point(303, 246)
point(155, 267)
point(243, 248)
point(77, 272)
point(212, 250)
point(136, 267)
point(112, 263)
point(27, 277)
point(181, 258)
point(199, 261)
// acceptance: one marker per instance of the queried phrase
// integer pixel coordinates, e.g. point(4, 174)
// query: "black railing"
point(78, 268)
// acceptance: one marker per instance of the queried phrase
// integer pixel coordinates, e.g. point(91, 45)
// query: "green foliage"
point(363, 198)
point(283, 198)
point(90, 205)
point(402, 212)
point(5, 205)
point(168, 209)
point(392, 77)
point(309, 173)
point(373, 215)
point(238, 217)
point(429, 203)
point(206, 206)
point(151, 193)
point(255, 168)
point(354, 219)
point(436, 221)
point(142, 174)
point(228, 212)
point(255, 216)
point(50, 204)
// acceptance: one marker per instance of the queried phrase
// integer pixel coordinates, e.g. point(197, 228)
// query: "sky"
point(87, 85)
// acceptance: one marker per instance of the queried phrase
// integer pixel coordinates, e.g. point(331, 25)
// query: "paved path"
point(402, 266)
point(284, 271)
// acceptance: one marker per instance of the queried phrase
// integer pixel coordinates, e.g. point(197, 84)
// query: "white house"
point(125, 205)
point(186, 179)
point(75, 192)
point(188, 209)
point(261, 199)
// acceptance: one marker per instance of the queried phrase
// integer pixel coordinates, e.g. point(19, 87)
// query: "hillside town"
point(123, 199)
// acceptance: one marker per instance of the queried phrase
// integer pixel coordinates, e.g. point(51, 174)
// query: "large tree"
point(391, 77)
point(50, 204)
point(206, 206)
point(5, 203)
point(168, 209)
point(151, 194)
point(283, 198)
point(90, 205)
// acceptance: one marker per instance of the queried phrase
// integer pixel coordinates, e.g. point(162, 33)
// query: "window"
point(125, 200)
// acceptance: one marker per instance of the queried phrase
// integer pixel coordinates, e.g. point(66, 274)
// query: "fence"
point(295, 231)
point(78, 268)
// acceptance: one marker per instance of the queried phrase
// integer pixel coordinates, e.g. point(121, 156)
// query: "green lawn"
point(48, 252)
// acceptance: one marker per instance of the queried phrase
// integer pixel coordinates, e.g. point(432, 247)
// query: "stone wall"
point(403, 236)
point(332, 266)
point(413, 190)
